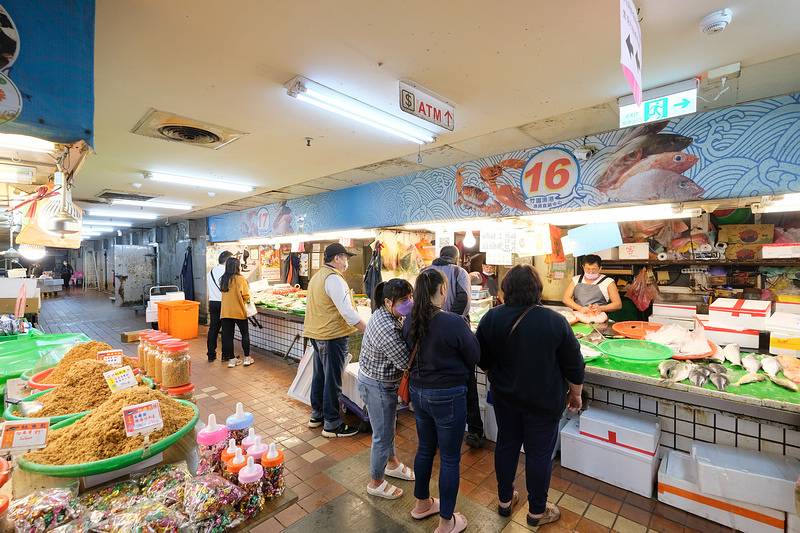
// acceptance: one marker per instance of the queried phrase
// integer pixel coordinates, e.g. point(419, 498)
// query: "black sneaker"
point(342, 431)
point(474, 440)
point(315, 422)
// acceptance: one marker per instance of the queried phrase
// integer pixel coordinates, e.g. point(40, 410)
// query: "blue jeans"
point(515, 427)
point(326, 385)
point(380, 398)
point(441, 415)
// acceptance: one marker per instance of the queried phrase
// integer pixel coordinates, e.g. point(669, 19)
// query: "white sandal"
point(385, 490)
point(400, 473)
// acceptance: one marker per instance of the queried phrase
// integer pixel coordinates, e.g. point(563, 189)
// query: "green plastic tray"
point(112, 463)
point(593, 347)
point(635, 350)
point(12, 410)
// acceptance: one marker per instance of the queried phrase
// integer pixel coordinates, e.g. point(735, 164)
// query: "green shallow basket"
point(593, 347)
point(112, 463)
point(12, 411)
point(636, 351)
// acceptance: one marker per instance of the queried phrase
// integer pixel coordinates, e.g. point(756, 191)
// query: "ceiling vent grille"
point(171, 127)
point(122, 195)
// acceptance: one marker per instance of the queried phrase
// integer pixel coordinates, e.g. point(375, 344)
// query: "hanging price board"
point(499, 241)
point(120, 378)
point(111, 357)
point(24, 435)
point(534, 240)
point(142, 418)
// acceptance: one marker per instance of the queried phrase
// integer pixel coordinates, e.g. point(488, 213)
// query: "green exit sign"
point(658, 107)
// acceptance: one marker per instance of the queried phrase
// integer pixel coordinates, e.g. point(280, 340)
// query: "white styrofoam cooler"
point(740, 313)
point(722, 335)
point(634, 431)
point(619, 466)
point(762, 478)
point(634, 250)
point(678, 486)
point(350, 384)
point(788, 307)
point(780, 250)
point(784, 337)
point(686, 323)
point(675, 310)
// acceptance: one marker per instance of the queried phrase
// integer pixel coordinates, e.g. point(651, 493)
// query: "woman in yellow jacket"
point(235, 294)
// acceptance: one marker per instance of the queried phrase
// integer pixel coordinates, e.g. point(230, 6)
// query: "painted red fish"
point(675, 161)
point(636, 149)
point(656, 184)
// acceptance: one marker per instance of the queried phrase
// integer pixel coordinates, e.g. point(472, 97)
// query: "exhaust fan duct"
point(171, 127)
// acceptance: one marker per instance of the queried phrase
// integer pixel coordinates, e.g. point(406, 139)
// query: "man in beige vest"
point(331, 317)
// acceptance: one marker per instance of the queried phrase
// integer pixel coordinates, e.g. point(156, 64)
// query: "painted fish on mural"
point(656, 184)
point(675, 161)
point(474, 198)
point(506, 194)
point(282, 224)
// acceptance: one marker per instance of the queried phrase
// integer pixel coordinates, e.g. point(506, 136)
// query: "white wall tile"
point(683, 444)
point(667, 424)
point(684, 428)
point(704, 433)
point(684, 413)
point(793, 451)
point(668, 439)
point(771, 447)
point(728, 423)
point(747, 443)
point(793, 437)
point(631, 401)
point(615, 397)
point(726, 438)
point(648, 405)
point(773, 433)
point(601, 395)
point(703, 417)
point(668, 409)
point(747, 427)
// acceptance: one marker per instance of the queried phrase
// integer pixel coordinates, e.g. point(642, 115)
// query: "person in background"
point(331, 317)
point(383, 358)
point(36, 270)
point(486, 278)
point(66, 273)
point(235, 295)
point(592, 292)
point(535, 369)
point(458, 298)
point(215, 304)
point(444, 352)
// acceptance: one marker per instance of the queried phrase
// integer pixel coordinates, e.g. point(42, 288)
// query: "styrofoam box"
point(677, 486)
point(638, 432)
point(674, 310)
point(604, 461)
point(764, 478)
point(634, 250)
point(609, 254)
point(792, 523)
point(780, 250)
point(784, 337)
point(350, 384)
point(686, 323)
point(740, 313)
point(722, 335)
point(788, 307)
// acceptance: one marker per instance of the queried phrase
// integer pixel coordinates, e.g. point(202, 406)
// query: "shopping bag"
point(250, 309)
point(300, 388)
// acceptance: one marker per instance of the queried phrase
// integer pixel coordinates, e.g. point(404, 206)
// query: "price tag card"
point(25, 435)
point(142, 418)
point(120, 378)
point(111, 357)
point(15, 389)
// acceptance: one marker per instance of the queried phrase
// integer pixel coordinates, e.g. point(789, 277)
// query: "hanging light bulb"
point(32, 251)
point(469, 240)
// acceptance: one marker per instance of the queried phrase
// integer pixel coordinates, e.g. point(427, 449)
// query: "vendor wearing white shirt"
point(331, 317)
point(591, 291)
point(215, 304)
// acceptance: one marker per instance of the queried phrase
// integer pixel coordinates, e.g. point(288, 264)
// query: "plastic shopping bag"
point(300, 388)
point(642, 292)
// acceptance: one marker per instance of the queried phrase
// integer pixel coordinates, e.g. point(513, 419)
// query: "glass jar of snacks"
point(185, 393)
point(151, 350)
point(210, 444)
point(235, 464)
point(238, 423)
point(176, 367)
point(274, 483)
point(162, 346)
point(250, 481)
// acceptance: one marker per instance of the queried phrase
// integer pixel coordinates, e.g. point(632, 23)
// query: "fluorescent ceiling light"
point(787, 203)
point(25, 143)
point(95, 229)
point(106, 223)
point(198, 182)
point(311, 237)
point(149, 203)
point(326, 98)
point(615, 214)
point(121, 214)
point(16, 174)
point(457, 226)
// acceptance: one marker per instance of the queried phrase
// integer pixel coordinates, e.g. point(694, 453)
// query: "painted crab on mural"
point(506, 194)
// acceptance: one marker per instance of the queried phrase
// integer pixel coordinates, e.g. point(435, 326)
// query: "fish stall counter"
point(758, 415)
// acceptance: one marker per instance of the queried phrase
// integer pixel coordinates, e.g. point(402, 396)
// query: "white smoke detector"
point(715, 22)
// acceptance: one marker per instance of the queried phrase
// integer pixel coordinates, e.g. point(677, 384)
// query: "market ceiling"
point(522, 74)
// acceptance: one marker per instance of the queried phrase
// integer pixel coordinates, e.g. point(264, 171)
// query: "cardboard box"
point(780, 251)
point(722, 335)
point(743, 252)
point(675, 310)
point(634, 431)
point(131, 336)
point(740, 313)
point(7, 305)
point(764, 478)
point(747, 233)
point(614, 464)
point(677, 486)
point(634, 250)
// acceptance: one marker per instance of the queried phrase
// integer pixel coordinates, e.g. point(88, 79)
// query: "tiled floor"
point(587, 505)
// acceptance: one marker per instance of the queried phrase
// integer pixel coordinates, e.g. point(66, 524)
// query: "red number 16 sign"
point(549, 178)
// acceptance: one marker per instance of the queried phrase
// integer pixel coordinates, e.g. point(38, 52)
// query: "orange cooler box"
point(179, 318)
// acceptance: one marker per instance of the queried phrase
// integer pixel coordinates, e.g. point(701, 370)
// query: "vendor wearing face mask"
point(592, 292)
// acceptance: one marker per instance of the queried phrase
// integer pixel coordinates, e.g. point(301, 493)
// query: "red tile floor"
point(587, 505)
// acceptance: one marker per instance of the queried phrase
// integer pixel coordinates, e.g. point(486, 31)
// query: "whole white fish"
point(679, 372)
point(733, 354)
point(785, 383)
point(665, 366)
point(771, 366)
point(751, 363)
point(749, 378)
point(720, 381)
point(719, 369)
point(698, 375)
point(718, 356)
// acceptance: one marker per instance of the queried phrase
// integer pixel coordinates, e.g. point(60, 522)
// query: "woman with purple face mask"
point(384, 356)
point(591, 292)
